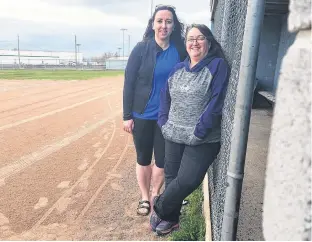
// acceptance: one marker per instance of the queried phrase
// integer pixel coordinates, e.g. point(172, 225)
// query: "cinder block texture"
point(287, 198)
point(300, 15)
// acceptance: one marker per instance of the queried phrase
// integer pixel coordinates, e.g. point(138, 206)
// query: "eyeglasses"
point(198, 39)
point(164, 6)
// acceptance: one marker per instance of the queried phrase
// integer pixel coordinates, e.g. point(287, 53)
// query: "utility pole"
point(78, 45)
point(18, 52)
point(129, 45)
point(123, 44)
point(152, 5)
point(75, 50)
point(119, 51)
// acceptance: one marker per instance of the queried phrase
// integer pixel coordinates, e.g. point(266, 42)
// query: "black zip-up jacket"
point(139, 76)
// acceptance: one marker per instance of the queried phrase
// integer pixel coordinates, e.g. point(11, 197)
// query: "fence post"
point(245, 88)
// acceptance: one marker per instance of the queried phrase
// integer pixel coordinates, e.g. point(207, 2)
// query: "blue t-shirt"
point(165, 61)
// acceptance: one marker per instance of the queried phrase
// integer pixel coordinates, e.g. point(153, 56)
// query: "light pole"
point(18, 51)
point(129, 45)
point(78, 45)
point(119, 51)
point(123, 44)
point(152, 4)
point(76, 49)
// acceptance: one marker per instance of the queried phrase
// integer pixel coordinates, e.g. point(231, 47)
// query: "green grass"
point(56, 74)
point(192, 222)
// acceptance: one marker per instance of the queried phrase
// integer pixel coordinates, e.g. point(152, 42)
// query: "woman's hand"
point(128, 126)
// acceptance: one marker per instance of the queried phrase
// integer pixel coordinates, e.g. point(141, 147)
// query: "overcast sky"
point(52, 24)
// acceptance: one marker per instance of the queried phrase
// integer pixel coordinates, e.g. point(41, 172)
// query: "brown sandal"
point(146, 205)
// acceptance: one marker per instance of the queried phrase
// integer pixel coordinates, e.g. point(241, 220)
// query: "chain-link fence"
point(37, 63)
point(228, 28)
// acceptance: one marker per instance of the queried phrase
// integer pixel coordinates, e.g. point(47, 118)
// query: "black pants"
point(185, 169)
point(147, 138)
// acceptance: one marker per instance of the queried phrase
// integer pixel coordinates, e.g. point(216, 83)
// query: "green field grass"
point(56, 74)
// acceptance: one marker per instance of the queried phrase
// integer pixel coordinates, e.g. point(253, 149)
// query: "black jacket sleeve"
point(131, 74)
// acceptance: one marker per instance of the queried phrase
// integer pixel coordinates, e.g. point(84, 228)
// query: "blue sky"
point(52, 24)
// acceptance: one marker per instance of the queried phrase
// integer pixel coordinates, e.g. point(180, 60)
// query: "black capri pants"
point(147, 138)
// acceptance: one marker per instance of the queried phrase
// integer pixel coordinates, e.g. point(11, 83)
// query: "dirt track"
point(67, 169)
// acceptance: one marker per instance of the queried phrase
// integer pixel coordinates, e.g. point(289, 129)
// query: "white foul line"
point(70, 190)
point(52, 112)
point(30, 159)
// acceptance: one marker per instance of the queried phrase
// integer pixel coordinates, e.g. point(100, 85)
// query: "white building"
point(116, 63)
point(30, 57)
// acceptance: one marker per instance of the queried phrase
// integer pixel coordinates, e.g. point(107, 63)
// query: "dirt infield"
point(67, 169)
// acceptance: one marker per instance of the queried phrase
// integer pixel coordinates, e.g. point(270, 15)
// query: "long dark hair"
point(177, 35)
point(215, 47)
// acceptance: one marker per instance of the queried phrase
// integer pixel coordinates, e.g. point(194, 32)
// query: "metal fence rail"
point(228, 28)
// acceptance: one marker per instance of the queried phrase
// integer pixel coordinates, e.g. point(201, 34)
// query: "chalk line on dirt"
point(32, 158)
point(51, 100)
point(82, 177)
point(52, 112)
point(95, 195)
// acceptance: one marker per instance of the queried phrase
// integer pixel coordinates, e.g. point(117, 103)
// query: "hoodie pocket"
point(195, 140)
point(167, 130)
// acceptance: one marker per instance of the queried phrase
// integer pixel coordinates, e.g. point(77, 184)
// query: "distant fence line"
point(51, 64)
point(117, 63)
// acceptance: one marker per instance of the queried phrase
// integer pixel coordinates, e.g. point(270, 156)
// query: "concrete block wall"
point(287, 198)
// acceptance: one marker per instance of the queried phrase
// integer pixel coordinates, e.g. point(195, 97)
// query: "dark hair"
point(215, 47)
point(177, 35)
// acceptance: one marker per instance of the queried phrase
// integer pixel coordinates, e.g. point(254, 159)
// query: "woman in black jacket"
point(147, 70)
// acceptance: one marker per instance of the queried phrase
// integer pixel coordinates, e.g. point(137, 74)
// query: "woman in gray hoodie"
point(190, 120)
